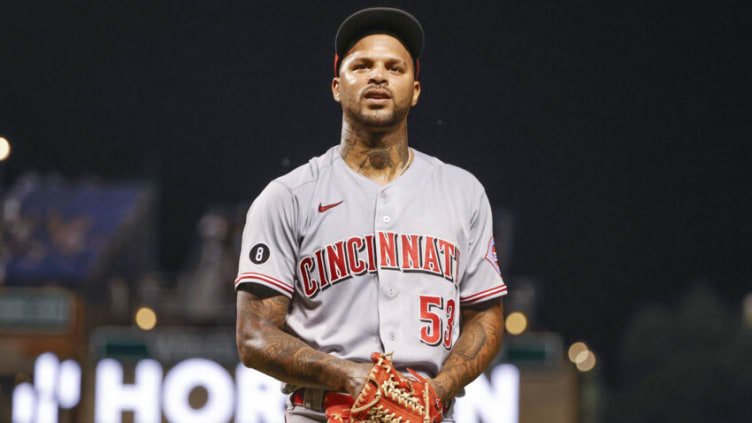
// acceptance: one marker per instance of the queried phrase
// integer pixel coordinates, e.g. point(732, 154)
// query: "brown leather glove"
point(390, 396)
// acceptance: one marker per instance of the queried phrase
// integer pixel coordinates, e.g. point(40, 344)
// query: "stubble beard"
point(376, 118)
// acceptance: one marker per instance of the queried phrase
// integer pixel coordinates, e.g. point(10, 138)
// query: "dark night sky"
point(616, 132)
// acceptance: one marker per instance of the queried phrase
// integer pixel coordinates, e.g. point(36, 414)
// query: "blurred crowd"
point(100, 240)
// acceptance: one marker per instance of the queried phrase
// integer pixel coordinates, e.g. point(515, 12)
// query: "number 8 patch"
point(259, 253)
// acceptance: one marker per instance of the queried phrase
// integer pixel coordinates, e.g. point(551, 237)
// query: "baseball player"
point(372, 247)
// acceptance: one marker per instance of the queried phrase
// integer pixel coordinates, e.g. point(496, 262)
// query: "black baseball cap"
point(379, 20)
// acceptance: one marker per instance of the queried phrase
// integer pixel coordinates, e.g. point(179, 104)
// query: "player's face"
point(376, 84)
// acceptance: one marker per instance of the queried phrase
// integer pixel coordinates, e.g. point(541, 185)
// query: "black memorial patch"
point(259, 253)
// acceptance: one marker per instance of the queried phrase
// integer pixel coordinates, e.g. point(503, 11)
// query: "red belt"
point(330, 399)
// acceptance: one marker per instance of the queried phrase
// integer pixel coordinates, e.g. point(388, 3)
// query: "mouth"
point(377, 95)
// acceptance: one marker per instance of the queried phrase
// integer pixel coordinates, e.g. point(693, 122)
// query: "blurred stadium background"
point(613, 141)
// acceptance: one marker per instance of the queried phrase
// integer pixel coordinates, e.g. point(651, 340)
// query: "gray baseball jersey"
point(374, 268)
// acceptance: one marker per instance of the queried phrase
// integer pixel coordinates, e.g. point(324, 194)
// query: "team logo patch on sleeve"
point(491, 255)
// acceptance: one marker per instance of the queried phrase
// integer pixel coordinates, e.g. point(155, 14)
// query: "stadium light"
point(516, 323)
point(146, 318)
point(4, 148)
point(585, 361)
point(575, 350)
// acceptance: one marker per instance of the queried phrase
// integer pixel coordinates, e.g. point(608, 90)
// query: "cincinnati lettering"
point(358, 255)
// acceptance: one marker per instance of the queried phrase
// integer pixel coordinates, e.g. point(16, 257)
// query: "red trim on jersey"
point(484, 294)
point(264, 278)
point(269, 277)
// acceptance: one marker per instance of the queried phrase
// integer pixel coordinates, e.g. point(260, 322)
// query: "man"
point(371, 247)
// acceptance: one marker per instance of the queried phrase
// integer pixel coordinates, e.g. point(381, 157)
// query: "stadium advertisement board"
point(242, 395)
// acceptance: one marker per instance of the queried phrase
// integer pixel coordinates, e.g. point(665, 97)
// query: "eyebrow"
point(387, 59)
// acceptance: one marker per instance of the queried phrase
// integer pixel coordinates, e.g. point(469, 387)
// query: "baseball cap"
point(379, 20)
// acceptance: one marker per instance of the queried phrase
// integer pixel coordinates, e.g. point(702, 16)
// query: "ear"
point(335, 89)
point(416, 93)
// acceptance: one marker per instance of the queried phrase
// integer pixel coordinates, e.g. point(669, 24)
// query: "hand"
point(441, 391)
point(357, 375)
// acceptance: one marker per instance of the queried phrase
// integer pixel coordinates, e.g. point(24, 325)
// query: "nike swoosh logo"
point(328, 206)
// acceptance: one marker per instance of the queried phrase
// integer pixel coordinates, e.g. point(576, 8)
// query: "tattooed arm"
point(478, 344)
point(266, 347)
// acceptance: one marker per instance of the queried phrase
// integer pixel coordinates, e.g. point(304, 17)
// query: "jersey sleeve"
point(269, 247)
point(482, 279)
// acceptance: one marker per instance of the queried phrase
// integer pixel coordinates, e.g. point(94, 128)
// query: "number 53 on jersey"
point(438, 318)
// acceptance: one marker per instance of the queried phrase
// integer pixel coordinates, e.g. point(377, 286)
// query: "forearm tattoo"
point(479, 342)
point(264, 345)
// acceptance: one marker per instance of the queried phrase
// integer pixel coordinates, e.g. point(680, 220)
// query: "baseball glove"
point(338, 414)
point(390, 396)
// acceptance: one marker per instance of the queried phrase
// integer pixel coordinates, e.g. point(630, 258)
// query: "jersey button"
point(386, 219)
point(391, 292)
point(384, 195)
point(392, 336)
